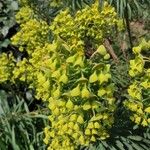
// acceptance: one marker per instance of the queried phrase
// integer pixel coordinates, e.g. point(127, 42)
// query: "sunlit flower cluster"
point(139, 90)
point(29, 37)
point(6, 66)
point(79, 91)
point(87, 26)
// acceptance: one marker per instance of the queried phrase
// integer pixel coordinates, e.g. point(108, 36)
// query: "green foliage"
point(48, 9)
point(132, 8)
point(20, 128)
point(131, 142)
point(8, 9)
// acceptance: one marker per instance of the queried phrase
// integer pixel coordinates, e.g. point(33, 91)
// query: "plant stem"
point(128, 24)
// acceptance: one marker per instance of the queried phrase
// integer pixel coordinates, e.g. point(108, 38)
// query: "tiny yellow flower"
point(102, 78)
point(101, 92)
point(107, 56)
point(138, 120)
point(75, 91)
point(97, 125)
point(85, 92)
point(71, 59)
point(46, 140)
point(71, 125)
point(94, 131)
point(145, 84)
point(137, 49)
point(102, 50)
point(144, 123)
point(93, 139)
point(90, 125)
point(147, 110)
point(76, 127)
point(93, 78)
point(69, 104)
point(80, 119)
point(73, 117)
point(63, 78)
point(56, 93)
point(81, 139)
point(56, 74)
point(79, 62)
point(64, 128)
point(75, 135)
point(87, 132)
point(56, 111)
point(87, 106)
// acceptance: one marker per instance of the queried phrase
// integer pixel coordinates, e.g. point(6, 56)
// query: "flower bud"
point(102, 50)
point(69, 104)
point(107, 56)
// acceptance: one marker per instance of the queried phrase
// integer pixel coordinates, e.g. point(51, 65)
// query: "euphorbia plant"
point(78, 90)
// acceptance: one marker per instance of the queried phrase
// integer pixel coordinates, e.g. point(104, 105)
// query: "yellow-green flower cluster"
point(6, 66)
point(33, 33)
point(81, 98)
point(79, 91)
point(139, 89)
point(88, 25)
point(23, 71)
point(25, 14)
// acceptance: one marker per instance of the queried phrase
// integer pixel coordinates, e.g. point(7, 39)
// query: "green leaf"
point(15, 146)
point(120, 145)
point(5, 43)
point(136, 146)
point(3, 146)
point(135, 138)
point(100, 147)
point(105, 144)
point(4, 30)
point(146, 141)
point(144, 146)
point(135, 127)
point(14, 5)
point(128, 146)
point(112, 148)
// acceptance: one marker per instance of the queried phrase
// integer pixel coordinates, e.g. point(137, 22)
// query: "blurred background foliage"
point(8, 9)
point(22, 119)
point(20, 128)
